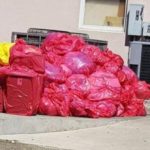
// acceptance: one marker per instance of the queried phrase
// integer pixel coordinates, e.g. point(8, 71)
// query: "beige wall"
point(19, 15)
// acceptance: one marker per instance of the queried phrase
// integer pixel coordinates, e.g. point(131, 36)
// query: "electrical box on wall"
point(146, 29)
point(135, 19)
point(139, 59)
point(134, 59)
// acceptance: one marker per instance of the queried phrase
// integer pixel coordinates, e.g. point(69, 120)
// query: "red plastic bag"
point(78, 106)
point(54, 73)
point(131, 77)
point(29, 56)
point(55, 100)
point(91, 51)
point(112, 67)
point(101, 79)
point(17, 71)
point(54, 88)
point(102, 58)
point(78, 82)
point(107, 56)
point(47, 107)
point(56, 104)
point(142, 90)
point(135, 108)
point(121, 76)
point(102, 109)
point(120, 109)
point(79, 63)
point(113, 63)
point(103, 85)
point(62, 103)
point(103, 94)
point(61, 43)
point(21, 48)
point(66, 70)
point(52, 58)
point(127, 94)
point(34, 62)
point(118, 60)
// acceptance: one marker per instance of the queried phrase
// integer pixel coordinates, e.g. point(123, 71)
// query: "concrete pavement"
point(133, 134)
point(58, 133)
point(11, 124)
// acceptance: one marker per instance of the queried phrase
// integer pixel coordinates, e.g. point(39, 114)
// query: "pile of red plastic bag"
point(82, 80)
point(79, 80)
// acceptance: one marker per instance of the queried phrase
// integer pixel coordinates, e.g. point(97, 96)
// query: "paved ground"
point(131, 134)
point(57, 133)
point(11, 124)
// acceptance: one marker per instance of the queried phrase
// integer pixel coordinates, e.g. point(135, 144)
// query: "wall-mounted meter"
point(146, 29)
point(135, 19)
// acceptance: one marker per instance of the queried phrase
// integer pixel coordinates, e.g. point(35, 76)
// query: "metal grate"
point(101, 44)
point(145, 63)
point(30, 38)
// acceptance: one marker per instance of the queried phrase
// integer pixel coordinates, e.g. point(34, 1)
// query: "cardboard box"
point(114, 21)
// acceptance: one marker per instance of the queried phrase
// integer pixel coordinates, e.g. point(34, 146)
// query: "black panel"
point(134, 68)
point(99, 43)
point(145, 63)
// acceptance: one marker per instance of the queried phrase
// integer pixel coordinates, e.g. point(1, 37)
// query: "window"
point(102, 15)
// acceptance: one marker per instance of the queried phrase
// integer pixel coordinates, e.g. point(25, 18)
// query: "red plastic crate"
point(2, 93)
point(23, 94)
point(1, 99)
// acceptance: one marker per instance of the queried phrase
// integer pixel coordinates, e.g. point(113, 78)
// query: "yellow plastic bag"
point(5, 53)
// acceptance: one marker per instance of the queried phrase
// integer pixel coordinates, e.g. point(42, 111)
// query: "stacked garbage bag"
point(82, 80)
point(68, 77)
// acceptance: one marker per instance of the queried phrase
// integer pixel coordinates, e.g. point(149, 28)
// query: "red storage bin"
point(23, 93)
point(2, 93)
point(1, 99)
